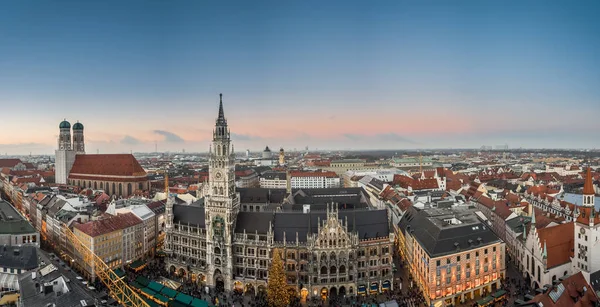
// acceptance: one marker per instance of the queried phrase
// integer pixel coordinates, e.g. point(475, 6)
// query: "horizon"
point(390, 75)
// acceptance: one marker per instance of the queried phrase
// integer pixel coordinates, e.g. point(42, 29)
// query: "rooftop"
point(443, 231)
point(104, 226)
point(107, 165)
point(571, 291)
point(31, 296)
point(18, 257)
point(11, 221)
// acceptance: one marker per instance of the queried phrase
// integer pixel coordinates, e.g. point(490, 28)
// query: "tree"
point(277, 288)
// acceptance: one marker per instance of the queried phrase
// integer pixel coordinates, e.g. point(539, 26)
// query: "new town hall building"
point(340, 250)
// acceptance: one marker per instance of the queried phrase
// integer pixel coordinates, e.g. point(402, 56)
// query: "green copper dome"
point(78, 126)
point(64, 124)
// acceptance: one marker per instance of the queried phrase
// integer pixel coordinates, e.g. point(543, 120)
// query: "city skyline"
point(395, 75)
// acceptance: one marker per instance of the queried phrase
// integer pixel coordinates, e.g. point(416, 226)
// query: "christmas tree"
point(277, 288)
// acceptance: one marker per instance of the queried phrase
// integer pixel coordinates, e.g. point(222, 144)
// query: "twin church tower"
point(68, 149)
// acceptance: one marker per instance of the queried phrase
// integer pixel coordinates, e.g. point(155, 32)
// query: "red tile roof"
point(111, 224)
point(9, 162)
point(585, 214)
point(588, 187)
point(415, 184)
point(573, 295)
point(559, 242)
point(107, 165)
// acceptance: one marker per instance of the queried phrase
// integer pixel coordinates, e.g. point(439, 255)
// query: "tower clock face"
point(218, 175)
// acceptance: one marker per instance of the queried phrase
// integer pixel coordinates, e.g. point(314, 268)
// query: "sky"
point(322, 74)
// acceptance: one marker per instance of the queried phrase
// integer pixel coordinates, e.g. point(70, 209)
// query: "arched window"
point(342, 269)
point(129, 192)
point(101, 185)
point(332, 256)
point(217, 250)
point(95, 185)
point(114, 188)
point(324, 270)
point(214, 190)
point(218, 261)
point(120, 189)
point(332, 270)
point(323, 256)
point(220, 190)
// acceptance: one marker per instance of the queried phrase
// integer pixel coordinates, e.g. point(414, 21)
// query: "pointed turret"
point(545, 252)
point(221, 119)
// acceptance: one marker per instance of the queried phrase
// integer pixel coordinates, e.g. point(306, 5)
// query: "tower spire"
point(588, 187)
point(221, 118)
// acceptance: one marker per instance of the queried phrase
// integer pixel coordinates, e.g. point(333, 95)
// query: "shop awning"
point(499, 293)
point(362, 289)
point(374, 287)
point(386, 284)
point(138, 265)
point(120, 274)
point(184, 298)
point(168, 292)
point(142, 281)
point(485, 301)
point(149, 292)
point(156, 287)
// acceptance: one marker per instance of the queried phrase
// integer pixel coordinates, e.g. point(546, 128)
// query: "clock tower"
point(222, 205)
point(586, 256)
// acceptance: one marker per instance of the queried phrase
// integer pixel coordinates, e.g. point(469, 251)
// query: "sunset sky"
point(335, 75)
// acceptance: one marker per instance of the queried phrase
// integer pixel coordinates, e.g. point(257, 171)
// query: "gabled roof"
point(108, 225)
point(559, 241)
point(107, 165)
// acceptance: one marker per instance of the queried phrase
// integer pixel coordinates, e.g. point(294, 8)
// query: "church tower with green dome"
point(65, 153)
point(78, 143)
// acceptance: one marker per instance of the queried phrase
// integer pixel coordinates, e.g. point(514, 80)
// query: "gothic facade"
point(325, 253)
